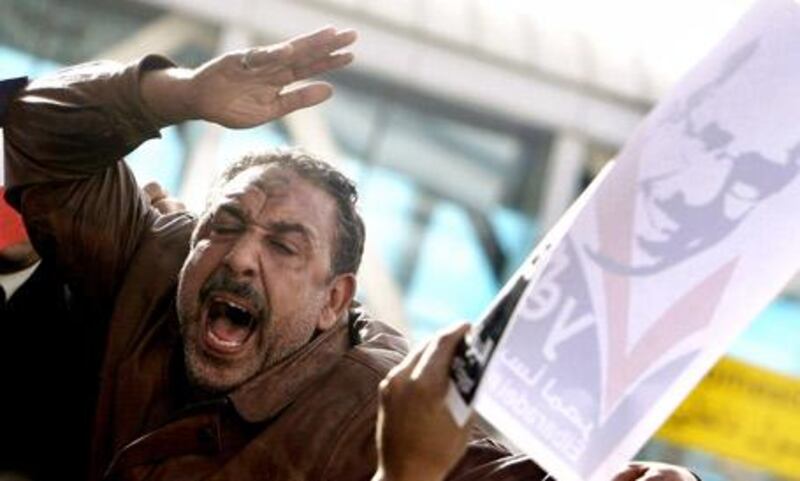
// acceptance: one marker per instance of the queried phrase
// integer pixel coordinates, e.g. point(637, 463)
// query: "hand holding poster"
point(691, 233)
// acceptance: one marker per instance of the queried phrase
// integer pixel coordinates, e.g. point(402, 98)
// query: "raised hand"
point(160, 199)
point(249, 87)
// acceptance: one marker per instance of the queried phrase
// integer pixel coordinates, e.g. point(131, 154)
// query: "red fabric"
point(12, 231)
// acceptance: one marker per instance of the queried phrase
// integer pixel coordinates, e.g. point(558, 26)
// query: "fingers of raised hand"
point(302, 97)
point(316, 45)
point(265, 60)
point(331, 62)
point(301, 57)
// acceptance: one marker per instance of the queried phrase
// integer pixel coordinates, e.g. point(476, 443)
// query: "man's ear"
point(340, 295)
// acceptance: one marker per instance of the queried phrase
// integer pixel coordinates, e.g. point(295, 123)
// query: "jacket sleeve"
point(8, 89)
point(64, 138)
point(486, 459)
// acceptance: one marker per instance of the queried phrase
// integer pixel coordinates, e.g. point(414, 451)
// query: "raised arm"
point(66, 134)
point(83, 119)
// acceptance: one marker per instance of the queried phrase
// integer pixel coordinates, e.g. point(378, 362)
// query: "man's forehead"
point(279, 186)
point(270, 179)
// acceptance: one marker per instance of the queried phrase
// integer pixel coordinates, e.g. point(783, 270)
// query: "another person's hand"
point(249, 87)
point(161, 200)
point(647, 471)
point(418, 440)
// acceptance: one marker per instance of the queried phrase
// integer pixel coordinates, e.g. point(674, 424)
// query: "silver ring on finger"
point(246, 59)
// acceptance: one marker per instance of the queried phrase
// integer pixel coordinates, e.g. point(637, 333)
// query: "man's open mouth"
point(228, 324)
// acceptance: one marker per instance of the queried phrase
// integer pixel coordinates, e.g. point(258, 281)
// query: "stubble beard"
point(214, 376)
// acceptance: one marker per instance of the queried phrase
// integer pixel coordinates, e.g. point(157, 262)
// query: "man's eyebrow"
point(283, 227)
point(234, 210)
point(278, 227)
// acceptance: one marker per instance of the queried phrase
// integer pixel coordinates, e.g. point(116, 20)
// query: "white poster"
point(689, 236)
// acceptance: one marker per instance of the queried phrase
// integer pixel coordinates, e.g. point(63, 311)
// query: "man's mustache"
point(221, 281)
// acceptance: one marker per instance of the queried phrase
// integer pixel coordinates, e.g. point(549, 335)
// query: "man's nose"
point(244, 255)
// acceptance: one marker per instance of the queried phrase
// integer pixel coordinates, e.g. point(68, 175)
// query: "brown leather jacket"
point(311, 417)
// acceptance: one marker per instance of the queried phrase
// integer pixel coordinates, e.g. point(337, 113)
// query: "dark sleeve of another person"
point(489, 460)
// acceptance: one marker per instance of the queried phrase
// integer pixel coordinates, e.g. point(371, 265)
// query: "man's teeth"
point(233, 305)
point(236, 307)
point(237, 313)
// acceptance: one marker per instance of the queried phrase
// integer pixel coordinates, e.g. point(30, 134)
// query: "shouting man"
point(230, 345)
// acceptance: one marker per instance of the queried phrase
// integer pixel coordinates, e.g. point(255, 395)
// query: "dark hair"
point(349, 236)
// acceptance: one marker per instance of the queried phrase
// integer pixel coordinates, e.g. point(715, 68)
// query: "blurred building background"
point(469, 126)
